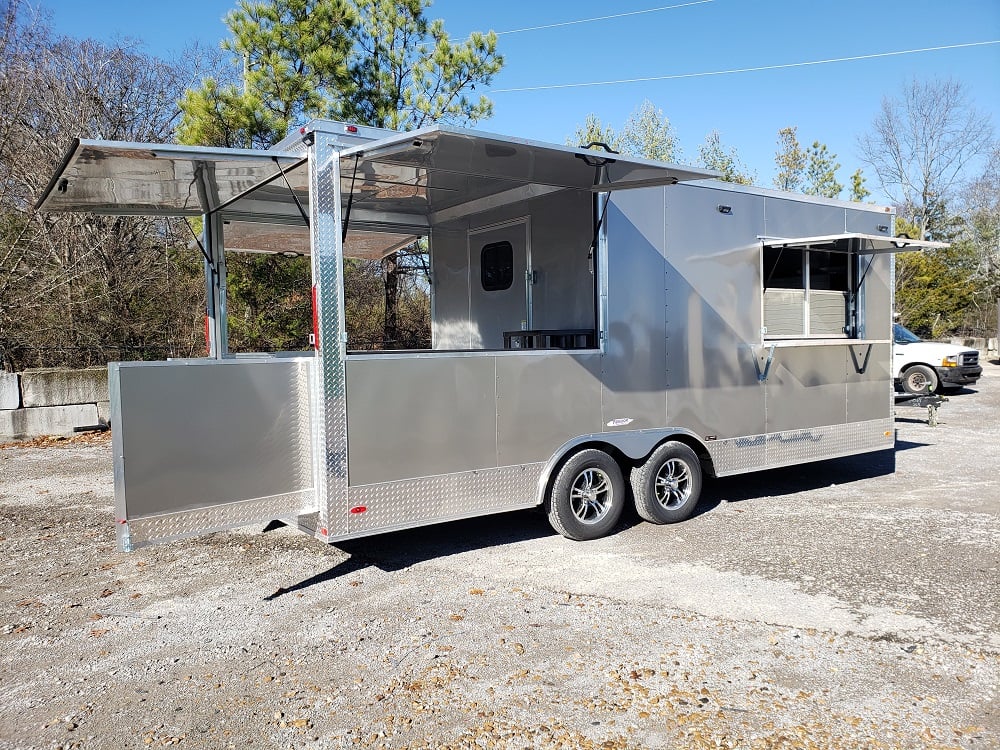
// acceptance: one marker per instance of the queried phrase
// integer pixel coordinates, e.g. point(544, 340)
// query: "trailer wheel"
point(587, 496)
point(668, 485)
point(920, 379)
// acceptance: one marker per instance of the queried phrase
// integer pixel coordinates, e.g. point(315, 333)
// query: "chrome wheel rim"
point(591, 496)
point(673, 484)
point(917, 381)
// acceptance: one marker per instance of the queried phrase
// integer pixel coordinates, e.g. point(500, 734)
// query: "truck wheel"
point(920, 379)
point(587, 496)
point(668, 485)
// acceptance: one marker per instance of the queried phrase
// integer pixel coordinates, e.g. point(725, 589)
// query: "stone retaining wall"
point(52, 401)
point(987, 347)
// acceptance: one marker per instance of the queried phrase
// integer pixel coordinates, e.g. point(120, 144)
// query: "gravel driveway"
point(832, 605)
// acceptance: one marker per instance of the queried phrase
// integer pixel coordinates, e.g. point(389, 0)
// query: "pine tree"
point(594, 131)
point(790, 160)
point(713, 155)
point(821, 172)
point(858, 190)
point(649, 134)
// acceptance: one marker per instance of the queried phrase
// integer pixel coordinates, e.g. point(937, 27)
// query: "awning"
point(142, 179)
point(398, 186)
point(288, 239)
point(854, 242)
point(441, 173)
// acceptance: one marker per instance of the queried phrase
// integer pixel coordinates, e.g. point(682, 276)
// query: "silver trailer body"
point(580, 301)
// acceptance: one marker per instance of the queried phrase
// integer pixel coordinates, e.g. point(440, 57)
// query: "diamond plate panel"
point(800, 446)
point(755, 452)
point(414, 502)
point(142, 532)
point(330, 415)
point(737, 455)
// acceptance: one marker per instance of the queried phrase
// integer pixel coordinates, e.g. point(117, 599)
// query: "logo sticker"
point(620, 422)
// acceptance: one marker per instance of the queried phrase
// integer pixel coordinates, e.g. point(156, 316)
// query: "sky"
point(609, 45)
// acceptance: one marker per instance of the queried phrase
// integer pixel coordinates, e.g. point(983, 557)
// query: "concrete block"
point(10, 390)
point(46, 420)
point(58, 387)
point(104, 412)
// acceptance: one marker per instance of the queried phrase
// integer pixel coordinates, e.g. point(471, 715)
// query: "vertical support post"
point(330, 401)
point(215, 286)
point(601, 272)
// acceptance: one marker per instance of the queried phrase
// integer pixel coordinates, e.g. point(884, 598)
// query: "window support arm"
point(774, 267)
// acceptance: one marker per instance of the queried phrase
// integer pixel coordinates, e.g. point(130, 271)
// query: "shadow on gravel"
point(914, 420)
point(907, 445)
point(791, 480)
point(960, 391)
point(401, 549)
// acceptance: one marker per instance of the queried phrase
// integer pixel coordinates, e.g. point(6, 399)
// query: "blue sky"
point(832, 103)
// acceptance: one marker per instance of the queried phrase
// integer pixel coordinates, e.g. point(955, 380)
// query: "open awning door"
point(854, 242)
point(437, 174)
point(145, 179)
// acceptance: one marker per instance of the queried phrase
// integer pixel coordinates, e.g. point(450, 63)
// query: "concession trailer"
point(602, 328)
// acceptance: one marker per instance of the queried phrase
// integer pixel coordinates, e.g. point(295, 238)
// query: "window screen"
point(497, 266)
point(828, 271)
point(783, 268)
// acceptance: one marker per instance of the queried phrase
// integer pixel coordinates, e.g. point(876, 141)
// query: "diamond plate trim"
point(756, 452)
point(330, 416)
point(736, 455)
point(142, 532)
point(429, 499)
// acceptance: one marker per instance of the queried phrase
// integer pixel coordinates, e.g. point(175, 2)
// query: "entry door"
point(499, 282)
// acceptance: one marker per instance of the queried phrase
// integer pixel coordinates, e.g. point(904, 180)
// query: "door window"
point(497, 266)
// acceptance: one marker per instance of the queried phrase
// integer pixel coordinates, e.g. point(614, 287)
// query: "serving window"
point(807, 292)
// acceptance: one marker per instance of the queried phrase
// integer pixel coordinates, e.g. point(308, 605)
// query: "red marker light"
point(324, 532)
point(358, 509)
point(351, 128)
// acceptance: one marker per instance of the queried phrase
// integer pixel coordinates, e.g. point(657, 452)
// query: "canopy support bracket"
point(350, 200)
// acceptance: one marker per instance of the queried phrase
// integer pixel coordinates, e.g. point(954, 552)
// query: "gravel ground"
point(833, 605)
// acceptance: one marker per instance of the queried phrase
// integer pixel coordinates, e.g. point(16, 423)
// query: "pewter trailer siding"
point(632, 307)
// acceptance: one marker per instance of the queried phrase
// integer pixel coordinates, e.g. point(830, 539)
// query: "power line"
point(602, 18)
point(741, 70)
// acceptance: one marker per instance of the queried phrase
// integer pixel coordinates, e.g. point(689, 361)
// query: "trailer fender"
point(630, 447)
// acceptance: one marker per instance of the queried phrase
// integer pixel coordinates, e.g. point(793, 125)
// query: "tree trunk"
point(390, 323)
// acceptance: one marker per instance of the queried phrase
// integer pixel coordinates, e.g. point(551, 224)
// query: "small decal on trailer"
point(620, 422)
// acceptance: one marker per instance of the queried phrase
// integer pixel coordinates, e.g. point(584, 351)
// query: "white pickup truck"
point(928, 366)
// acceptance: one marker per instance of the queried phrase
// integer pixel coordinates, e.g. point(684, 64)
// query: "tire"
point(919, 379)
point(668, 486)
point(587, 496)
